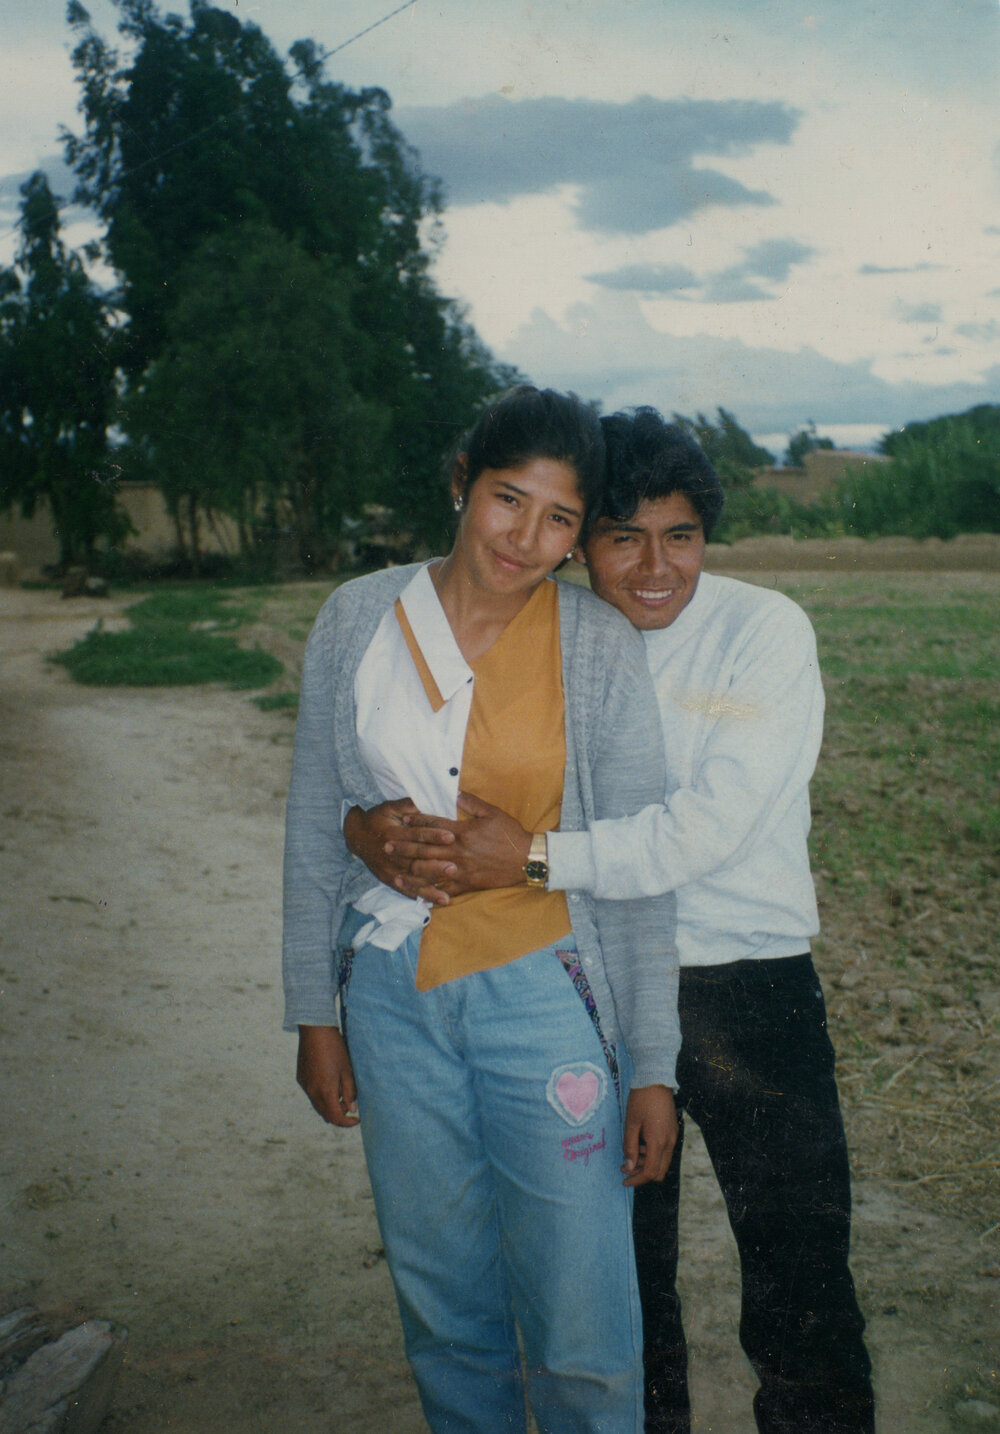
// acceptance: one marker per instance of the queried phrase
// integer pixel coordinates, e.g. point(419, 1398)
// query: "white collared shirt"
point(411, 750)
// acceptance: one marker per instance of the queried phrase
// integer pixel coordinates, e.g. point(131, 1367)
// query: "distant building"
point(818, 477)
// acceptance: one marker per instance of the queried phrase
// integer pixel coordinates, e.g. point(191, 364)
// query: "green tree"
point(197, 129)
point(806, 440)
point(251, 408)
point(943, 479)
point(730, 448)
point(57, 388)
point(982, 422)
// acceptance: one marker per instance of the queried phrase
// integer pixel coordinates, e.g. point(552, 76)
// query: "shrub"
point(942, 480)
point(759, 512)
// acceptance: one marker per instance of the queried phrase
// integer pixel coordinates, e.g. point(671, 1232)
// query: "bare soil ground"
point(159, 1167)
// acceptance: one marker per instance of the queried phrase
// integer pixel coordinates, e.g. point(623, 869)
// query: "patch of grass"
point(293, 608)
point(918, 638)
point(188, 607)
point(166, 656)
point(177, 637)
point(278, 702)
point(906, 831)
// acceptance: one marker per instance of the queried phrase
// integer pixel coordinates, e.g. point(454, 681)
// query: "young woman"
point(486, 1045)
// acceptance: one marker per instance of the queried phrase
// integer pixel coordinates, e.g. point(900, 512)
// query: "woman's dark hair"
point(528, 422)
point(648, 458)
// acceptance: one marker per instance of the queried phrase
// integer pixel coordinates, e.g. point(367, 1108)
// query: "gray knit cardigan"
point(614, 767)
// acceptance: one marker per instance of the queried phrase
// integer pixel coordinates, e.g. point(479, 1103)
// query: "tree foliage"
point(805, 441)
point(214, 165)
point(981, 422)
point(251, 409)
point(754, 512)
point(730, 448)
point(944, 479)
point(57, 362)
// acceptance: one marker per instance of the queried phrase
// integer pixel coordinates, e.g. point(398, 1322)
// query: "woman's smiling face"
point(517, 524)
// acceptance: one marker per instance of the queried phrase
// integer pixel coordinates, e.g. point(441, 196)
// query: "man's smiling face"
point(648, 566)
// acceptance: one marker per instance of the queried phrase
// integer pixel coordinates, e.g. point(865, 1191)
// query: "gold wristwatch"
point(536, 868)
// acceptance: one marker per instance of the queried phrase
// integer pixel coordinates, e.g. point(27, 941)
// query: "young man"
point(741, 707)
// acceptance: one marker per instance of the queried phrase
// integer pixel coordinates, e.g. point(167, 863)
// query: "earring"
point(457, 505)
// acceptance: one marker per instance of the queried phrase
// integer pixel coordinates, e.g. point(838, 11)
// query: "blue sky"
point(789, 209)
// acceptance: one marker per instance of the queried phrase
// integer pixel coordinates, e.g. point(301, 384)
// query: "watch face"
point(536, 870)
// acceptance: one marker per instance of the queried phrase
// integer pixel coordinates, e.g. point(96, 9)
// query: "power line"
point(367, 31)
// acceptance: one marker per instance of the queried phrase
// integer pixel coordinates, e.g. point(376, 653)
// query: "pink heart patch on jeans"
point(574, 1091)
point(578, 1093)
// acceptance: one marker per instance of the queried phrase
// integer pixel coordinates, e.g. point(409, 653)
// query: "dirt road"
point(159, 1166)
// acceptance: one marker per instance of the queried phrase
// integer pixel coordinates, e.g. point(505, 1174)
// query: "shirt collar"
point(687, 622)
point(433, 632)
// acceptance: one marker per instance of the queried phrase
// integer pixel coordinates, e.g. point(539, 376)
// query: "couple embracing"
point(527, 826)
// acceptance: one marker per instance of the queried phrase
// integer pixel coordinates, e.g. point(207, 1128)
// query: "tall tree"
point(56, 384)
point(943, 479)
point(982, 422)
point(250, 409)
point(730, 448)
point(805, 441)
point(196, 129)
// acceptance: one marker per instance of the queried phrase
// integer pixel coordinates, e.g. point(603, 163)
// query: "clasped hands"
point(434, 858)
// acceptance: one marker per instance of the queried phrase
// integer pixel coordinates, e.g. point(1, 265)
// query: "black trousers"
point(757, 1074)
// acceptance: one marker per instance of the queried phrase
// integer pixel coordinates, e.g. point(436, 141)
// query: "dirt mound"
point(970, 552)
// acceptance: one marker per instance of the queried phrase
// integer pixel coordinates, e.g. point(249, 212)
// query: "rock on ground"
point(65, 1387)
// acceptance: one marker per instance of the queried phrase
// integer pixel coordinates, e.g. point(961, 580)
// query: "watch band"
point(536, 868)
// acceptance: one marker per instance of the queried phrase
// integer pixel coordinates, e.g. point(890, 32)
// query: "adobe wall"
point(35, 544)
point(818, 477)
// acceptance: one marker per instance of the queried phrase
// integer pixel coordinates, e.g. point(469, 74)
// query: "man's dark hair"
point(526, 423)
point(648, 458)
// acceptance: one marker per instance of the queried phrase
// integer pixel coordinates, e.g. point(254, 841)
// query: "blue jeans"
point(493, 1129)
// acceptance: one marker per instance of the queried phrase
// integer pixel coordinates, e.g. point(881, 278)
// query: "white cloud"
point(889, 183)
point(37, 92)
point(609, 351)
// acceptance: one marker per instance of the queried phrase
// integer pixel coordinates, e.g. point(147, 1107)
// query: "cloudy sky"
point(790, 209)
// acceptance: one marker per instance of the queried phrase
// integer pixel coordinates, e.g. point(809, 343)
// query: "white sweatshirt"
point(741, 705)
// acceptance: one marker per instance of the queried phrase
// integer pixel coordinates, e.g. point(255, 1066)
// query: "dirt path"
point(160, 1168)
